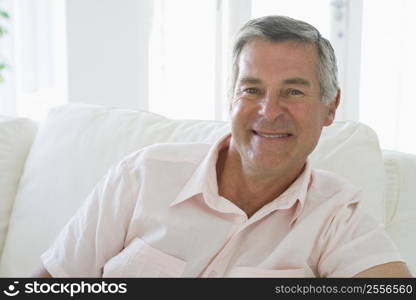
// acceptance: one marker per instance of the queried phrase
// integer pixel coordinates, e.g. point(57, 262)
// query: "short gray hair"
point(282, 29)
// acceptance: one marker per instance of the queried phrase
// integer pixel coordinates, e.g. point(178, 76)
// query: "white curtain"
point(7, 92)
point(33, 28)
point(38, 62)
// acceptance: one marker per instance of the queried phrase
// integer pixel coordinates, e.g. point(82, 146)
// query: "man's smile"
point(272, 135)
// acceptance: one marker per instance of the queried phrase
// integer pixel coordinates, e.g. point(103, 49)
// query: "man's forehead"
point(292, 59)
point(260, 42)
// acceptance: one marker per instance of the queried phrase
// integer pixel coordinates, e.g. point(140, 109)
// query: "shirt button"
point(212, 274)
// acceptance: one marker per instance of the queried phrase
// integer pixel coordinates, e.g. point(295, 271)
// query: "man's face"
point(277, 114)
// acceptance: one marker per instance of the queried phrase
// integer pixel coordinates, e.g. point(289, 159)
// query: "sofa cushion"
point(351, 150)
point(16, 137)
point(400, 204)
point(78, 143)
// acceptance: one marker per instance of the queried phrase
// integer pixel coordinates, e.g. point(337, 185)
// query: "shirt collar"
point(204, 181)
point(296, 193)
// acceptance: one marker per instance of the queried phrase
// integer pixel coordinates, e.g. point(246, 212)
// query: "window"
point(190, 44)
point(182, 59)
point(190, 50)
point(388, 67)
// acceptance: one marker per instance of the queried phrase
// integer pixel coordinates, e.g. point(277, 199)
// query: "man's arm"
point(42, 273)
point(392, 269)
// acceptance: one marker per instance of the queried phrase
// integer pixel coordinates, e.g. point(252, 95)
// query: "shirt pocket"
point(266, 273)
point(139, 259)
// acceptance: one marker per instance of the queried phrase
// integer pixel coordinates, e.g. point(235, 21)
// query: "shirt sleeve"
point(354, 241)
point(97, 231)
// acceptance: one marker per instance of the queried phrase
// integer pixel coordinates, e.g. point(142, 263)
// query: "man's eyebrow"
point(250, 80)
point(297, 80)
point(255, 80)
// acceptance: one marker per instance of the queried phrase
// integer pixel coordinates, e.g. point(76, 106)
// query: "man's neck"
point(251, 190)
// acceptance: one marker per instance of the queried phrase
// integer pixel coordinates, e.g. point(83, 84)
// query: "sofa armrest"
point(16, 137)
point(401, 202)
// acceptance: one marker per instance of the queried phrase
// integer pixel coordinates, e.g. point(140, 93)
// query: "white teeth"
point(272, 135)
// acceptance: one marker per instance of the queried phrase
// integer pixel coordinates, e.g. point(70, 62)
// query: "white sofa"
point(47, 170)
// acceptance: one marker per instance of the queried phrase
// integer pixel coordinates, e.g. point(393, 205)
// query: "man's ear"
point(332, 107)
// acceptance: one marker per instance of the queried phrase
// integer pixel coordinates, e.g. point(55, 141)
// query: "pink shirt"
point(158, 214)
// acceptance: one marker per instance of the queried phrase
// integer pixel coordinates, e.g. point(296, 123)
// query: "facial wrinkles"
point(279, 124)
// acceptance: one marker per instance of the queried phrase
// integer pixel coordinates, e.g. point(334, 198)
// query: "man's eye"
point(251, 91)
point(293, 92)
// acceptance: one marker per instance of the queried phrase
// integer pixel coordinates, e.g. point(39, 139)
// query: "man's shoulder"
point(170, 153)
point(328, 192)
point(329, 184)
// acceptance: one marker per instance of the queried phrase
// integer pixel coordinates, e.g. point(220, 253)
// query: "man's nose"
point(272, 106)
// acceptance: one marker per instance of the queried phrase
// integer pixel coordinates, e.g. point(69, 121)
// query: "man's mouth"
point(271, 135)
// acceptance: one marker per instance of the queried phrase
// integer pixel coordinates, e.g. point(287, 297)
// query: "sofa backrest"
point(16, 137)
point(77, 144)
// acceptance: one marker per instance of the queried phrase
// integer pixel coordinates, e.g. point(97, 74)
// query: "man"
point(248, 206)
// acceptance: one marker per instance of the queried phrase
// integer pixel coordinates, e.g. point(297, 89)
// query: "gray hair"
point(282, 29)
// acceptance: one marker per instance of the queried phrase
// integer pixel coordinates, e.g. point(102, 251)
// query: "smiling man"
point(277, 119)
point(248, 206)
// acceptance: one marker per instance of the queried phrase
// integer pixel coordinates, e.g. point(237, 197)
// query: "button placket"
point(211, 270)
